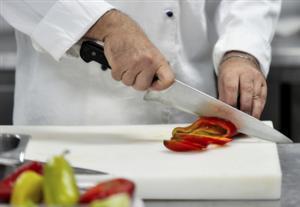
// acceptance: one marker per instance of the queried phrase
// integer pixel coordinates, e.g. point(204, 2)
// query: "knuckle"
point(128, 78)
point(148, 59)
point(140, 87)
point(127, 82)
point(230, 87)
point(247, 88)
point(145, 59)
point(259, 77)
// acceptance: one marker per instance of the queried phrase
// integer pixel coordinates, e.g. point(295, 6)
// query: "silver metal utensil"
point(191, 100)
point(12, 148)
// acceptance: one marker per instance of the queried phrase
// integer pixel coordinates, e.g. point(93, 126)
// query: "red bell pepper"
point(183, 145)
point(6, 185)
point(209, 126)
point(108, 188)
point(197, 136)
point(205, 140)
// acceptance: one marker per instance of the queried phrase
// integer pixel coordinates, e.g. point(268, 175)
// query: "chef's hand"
point(133, 58)
point(240, 79)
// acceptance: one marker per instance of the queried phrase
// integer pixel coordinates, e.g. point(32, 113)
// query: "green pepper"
point(118, 200)
point(59, 186)
point(27, 191)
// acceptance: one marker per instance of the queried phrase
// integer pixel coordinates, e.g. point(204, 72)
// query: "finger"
point(228, 86)
point(165, 78)
point(117, 74)
point(257, 108)
point(264, 92)
point(246, 93)
point(257, 100)
point(144, 80)
point(129, 77)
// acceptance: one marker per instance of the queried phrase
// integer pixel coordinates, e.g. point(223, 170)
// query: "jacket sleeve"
point(53, 25)
point(246, 26)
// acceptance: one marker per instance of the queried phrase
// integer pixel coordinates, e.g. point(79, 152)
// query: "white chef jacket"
point(55, 88)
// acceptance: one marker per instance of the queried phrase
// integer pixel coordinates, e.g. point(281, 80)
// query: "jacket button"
point(169, 13)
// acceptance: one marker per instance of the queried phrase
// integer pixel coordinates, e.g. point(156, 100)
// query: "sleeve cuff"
point(245, 42)
point(65, 23)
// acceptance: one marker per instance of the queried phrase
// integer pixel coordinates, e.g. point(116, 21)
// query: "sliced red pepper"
point(182, 137)
point(212, 126)
point(108, 188)
point(183, 145)
point(205, 140)
point(204, 131)
point(6, 185)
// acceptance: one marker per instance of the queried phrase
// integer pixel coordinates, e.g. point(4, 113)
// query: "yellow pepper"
point(27, 191)
point(59, 187)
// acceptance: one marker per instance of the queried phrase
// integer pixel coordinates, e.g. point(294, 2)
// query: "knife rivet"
point(169, 13)
point(94, 54)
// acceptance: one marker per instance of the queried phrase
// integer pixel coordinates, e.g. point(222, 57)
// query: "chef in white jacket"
point(141, 39)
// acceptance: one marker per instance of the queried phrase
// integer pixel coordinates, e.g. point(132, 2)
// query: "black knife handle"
point(92, 51)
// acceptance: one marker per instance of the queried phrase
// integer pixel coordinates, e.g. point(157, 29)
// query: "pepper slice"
point(6, 185)
point(59, 186)
point(27, 190)
point(182, 145)
point(205, 140)
point(210, 126)
point(108, 188)
point(200, 134)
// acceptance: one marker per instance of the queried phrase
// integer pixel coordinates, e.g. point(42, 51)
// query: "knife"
point(185, 98)
point(77, 170)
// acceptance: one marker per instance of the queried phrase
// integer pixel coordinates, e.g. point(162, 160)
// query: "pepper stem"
point(65, 152)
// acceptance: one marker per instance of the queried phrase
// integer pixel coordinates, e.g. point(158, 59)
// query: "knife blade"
point(185, 98)
point(77, 170)
point(191, 100)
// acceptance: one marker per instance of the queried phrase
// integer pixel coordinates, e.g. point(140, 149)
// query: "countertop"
point(290, 163)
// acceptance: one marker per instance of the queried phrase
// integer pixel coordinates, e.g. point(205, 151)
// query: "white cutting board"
point(247, 168)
